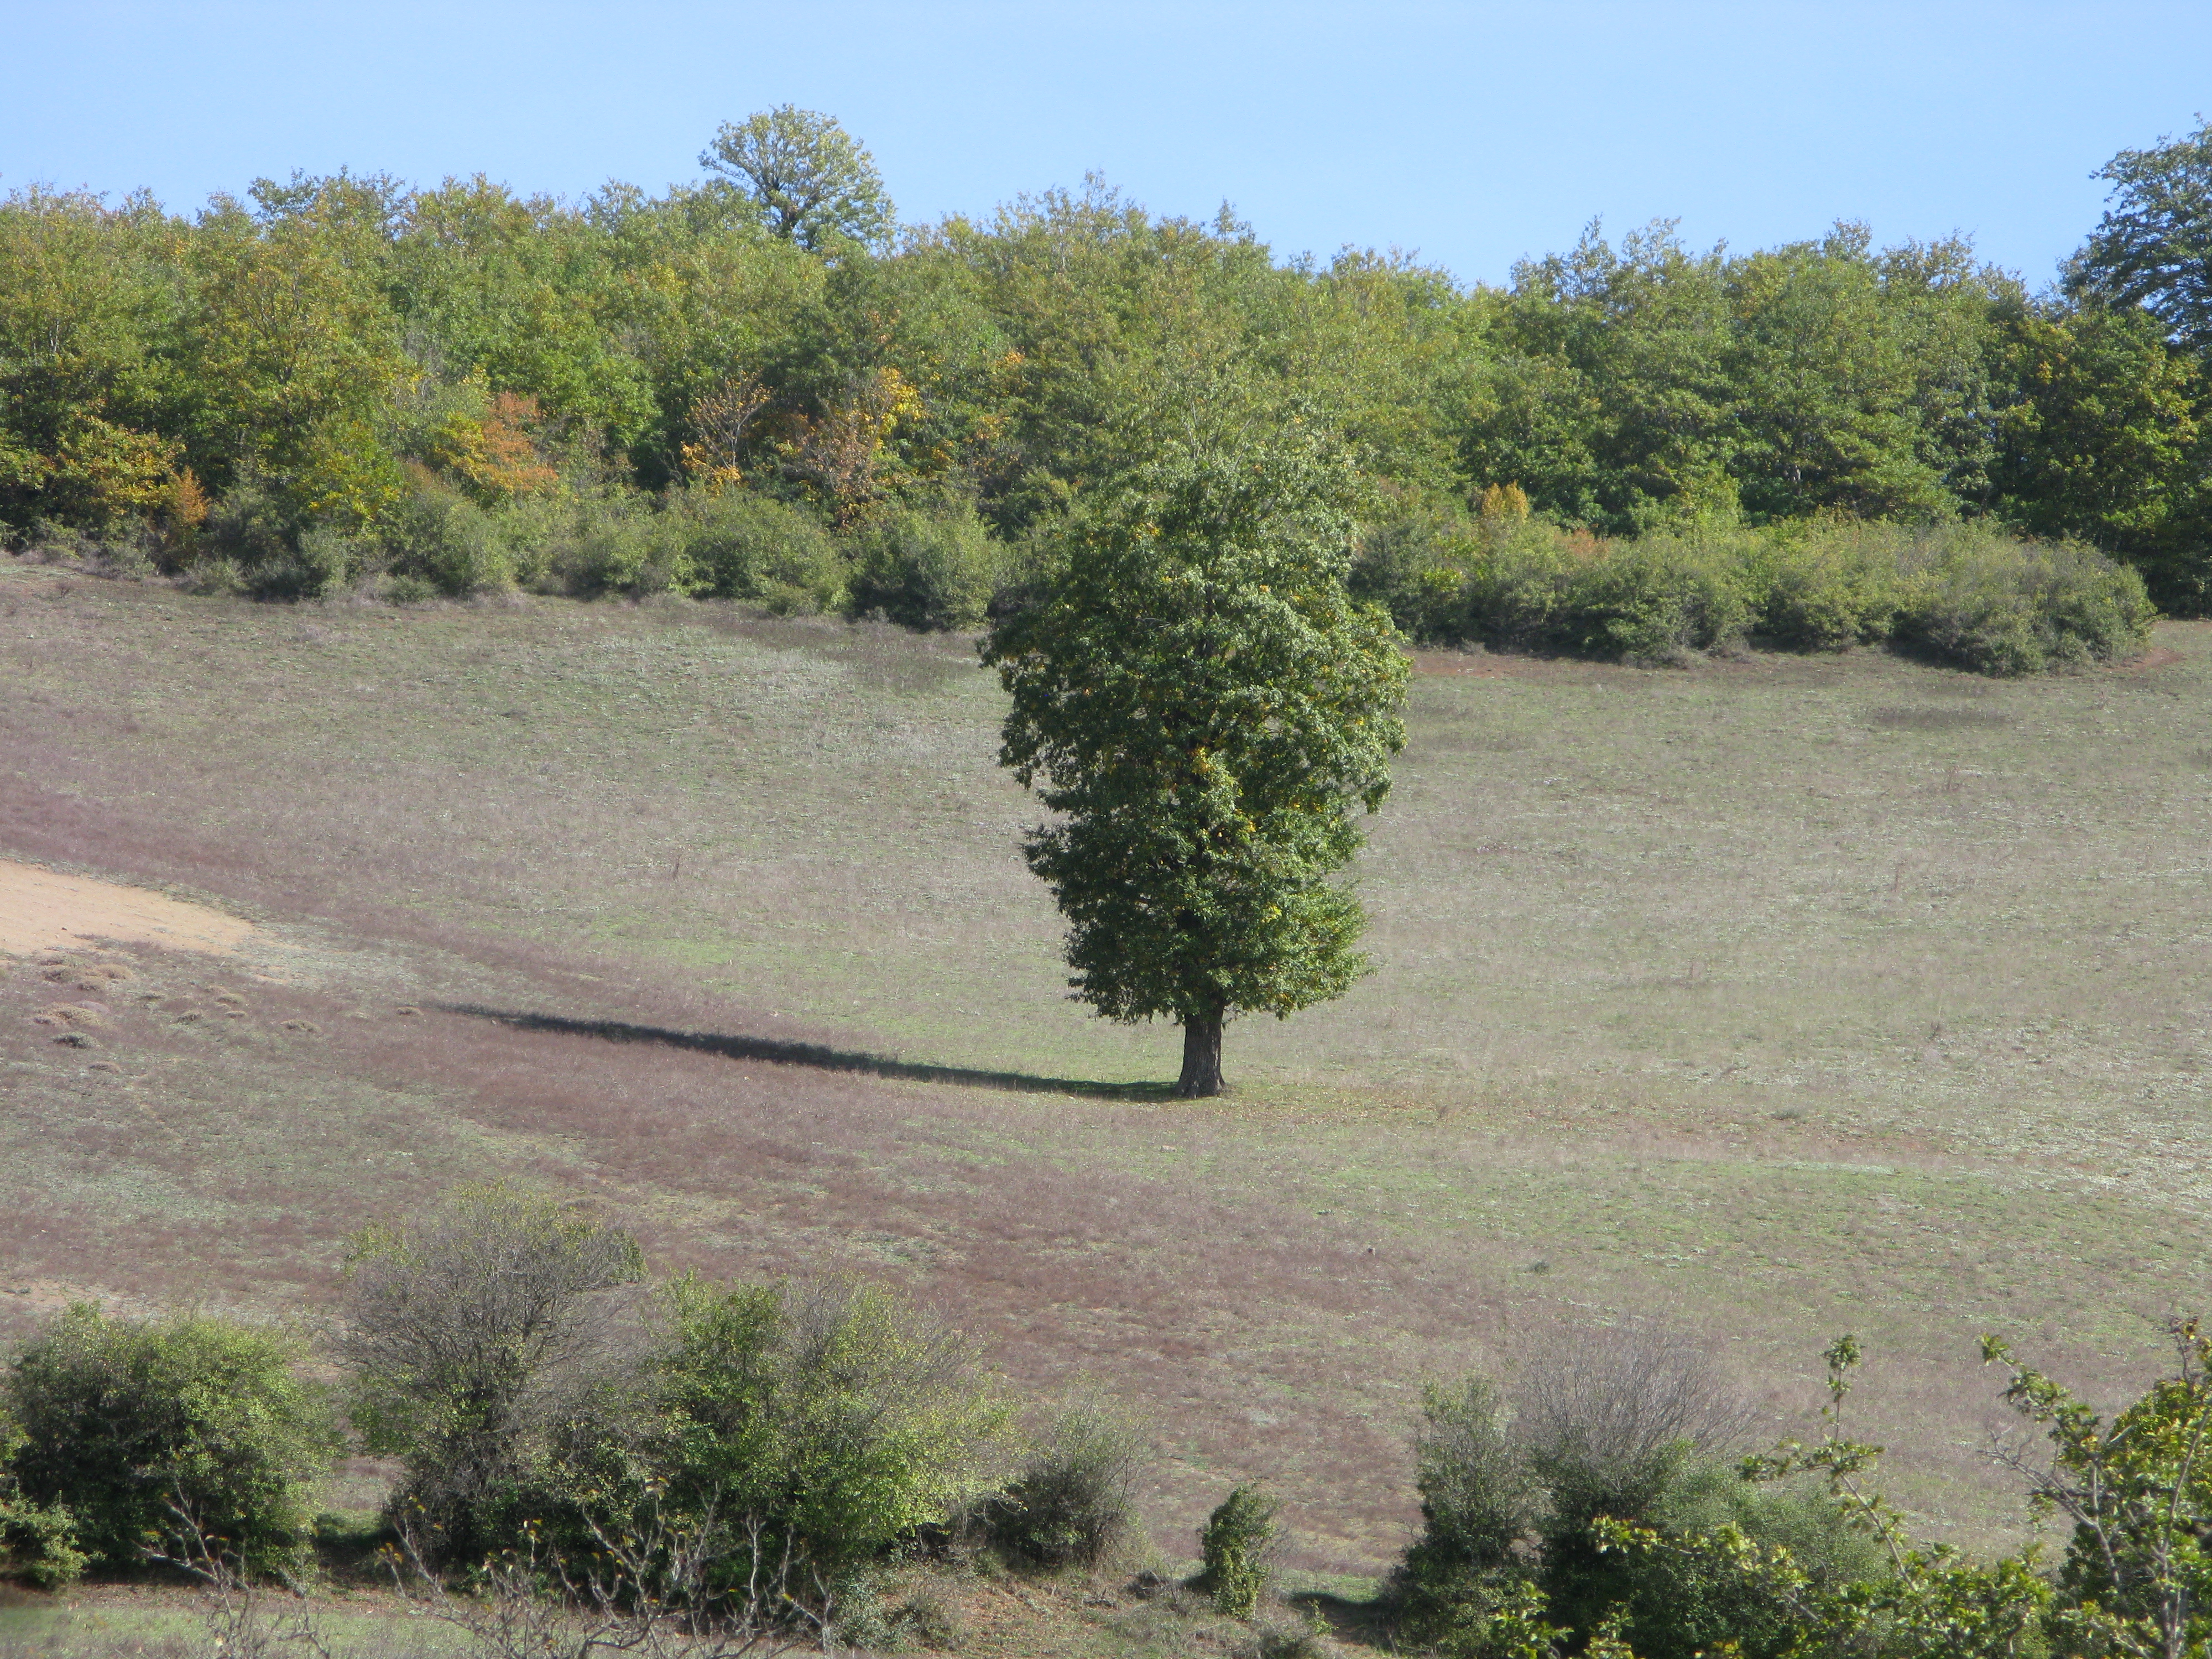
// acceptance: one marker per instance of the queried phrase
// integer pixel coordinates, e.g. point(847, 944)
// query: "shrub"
point(836, 1418)
point(473, 1335)
point(38, 1543)
point(255, 542)
point(2009, 607)
point(1658, 599)
point(1608, 1417)
point(652, 1587)
point(616, 543)
point(252, 525)
point(1677, 1602)
point(1414, 561)
point(1751, 1562)
point(742, 546)
point(1074, 1497)
point(935, 569)
point(1238, 1545)
point(1479, 1499)
point(1628, 1424)
point(1650, 601)
point(127, 1424)
point(1970, 593)
point(1827, 587)
point(437, 537)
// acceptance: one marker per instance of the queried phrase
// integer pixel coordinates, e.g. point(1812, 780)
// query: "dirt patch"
point(2163, 656)
point(43, 910)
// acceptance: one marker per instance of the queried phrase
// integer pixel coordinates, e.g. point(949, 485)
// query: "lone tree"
point(1205, 706)
point(816, 182)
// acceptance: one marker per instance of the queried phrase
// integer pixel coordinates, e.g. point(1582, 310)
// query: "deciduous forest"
point(759, 386)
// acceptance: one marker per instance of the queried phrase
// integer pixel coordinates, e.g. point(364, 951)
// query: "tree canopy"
point(324, 378)
point(814, 180)
point(1205, 708)
point(2153, 247)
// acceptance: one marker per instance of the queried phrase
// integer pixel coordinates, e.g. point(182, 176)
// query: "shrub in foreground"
point(783, 1427)
point(126, 1425)
point(1074, 1498)
point(1792, 1554)
point(1238, 1545)
point(1479, 1502)
point(38, 1541)
point(1520, 1491)
point(474, 1333)
point(836, 1418)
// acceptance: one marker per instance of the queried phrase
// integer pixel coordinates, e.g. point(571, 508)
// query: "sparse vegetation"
point(1596, 1037)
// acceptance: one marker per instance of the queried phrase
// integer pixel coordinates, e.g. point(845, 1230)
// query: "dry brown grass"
point(1773, 998)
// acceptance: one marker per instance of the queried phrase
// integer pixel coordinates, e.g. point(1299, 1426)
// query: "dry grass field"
point(1774, 997)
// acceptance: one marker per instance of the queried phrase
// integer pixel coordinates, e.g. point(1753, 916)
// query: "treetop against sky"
point(1475, 133)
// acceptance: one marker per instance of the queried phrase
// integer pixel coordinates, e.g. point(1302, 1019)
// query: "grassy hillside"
point(1778, 996)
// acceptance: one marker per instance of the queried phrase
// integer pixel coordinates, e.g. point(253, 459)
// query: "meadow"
point(1774, 996)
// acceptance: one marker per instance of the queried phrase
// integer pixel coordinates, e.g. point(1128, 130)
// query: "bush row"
point(1968, 593)
point(930, 567)
point(553, 1414)
point(538, 1394)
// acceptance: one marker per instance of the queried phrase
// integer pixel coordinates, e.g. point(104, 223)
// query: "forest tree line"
point(759, 386)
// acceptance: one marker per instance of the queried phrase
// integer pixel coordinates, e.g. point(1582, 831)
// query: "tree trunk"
point(1201, 1056)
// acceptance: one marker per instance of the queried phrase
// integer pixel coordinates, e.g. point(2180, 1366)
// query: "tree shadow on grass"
point(819, 1056)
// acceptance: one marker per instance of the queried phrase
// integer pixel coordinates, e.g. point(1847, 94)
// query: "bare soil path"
point(44, 909)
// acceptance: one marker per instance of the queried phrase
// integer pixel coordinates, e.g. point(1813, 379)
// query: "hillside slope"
point(1775, 997)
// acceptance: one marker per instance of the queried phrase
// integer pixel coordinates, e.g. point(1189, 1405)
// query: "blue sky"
point(1473, 133)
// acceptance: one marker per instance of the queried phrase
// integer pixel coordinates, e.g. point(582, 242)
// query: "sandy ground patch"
point(41, 910)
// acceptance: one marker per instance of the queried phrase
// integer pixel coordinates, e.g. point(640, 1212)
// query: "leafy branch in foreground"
point(1931, 1604)
point(2137, 1578)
